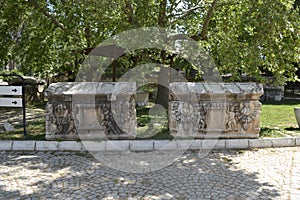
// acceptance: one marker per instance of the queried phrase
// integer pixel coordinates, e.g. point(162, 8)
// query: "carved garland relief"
point(237, 113)
point(109, 116)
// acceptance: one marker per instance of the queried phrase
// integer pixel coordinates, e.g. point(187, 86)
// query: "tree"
point(49, 37)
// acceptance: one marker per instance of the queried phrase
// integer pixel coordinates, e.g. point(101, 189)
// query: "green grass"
point(278, 119)
point(152, 124)
point(35, 131)
point(35, 120)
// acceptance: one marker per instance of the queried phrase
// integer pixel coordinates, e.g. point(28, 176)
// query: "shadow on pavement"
point(58, 175)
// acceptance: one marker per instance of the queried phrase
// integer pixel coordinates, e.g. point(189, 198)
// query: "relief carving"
point(59, 119)
point(108, 121)
point(187, 120)
point(110, 111)
point(230, 120)
point(188, 117)
point(202, 125)
point(245, 115)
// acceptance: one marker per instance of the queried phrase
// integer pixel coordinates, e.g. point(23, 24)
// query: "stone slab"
point(93, 145)
point(215, 144)
point(46, 146)
point(141, 145)
point(260, 143)
point(297, 141)
point(184, 144)
point(165, 145)
point(115, 145)
point(237, 144)
point(26, 145)
point(147, 145)
point(6, 145)
point(197, 144)
point(69, 146)
point(283, 142)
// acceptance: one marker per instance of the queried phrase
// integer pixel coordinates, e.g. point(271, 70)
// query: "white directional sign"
point(14, 96)
point(11, 102)
point(10, 90)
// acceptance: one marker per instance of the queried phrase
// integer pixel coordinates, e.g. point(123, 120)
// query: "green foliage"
point(49, 37)
point(257, 37)
point(151, 126)
point(270, 133)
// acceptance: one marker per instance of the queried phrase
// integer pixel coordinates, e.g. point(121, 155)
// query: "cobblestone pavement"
point(256, 174)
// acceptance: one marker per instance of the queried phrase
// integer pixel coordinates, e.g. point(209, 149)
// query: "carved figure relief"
point(188, 117)
point(187, 121)
point(107, 113)
point(175, 111)
point(108, 121)
point(202, 125)
point(50, 120)
point(59, 119)
point(236, 114)
point(230, 120)
point(245, 116)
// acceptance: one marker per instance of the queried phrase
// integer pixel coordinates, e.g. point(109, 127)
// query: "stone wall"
point(213, 110)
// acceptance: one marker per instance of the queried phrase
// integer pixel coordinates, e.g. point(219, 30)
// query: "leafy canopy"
point(49, 37)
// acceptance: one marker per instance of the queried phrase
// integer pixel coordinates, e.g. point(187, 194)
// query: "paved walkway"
point(256, 174)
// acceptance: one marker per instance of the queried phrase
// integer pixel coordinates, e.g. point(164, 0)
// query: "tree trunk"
point(162, 96)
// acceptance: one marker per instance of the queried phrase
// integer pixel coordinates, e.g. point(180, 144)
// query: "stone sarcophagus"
point(90, 110)
point(214, 110)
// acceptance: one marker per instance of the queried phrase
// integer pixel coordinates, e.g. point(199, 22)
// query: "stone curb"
point(146, 145)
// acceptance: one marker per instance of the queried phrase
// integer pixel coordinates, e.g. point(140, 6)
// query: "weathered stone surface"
point(114, 145)
point(165, 145)
point(184, 144)
point(90, 111)
point(93, 145)
point(272, 92)
point(237, 144)
point(197, 144)
point(213, 144)
point(46, 146)
point(69, 146)
point(141, 145)
point(215, 110)
point(5, 145)
point(23, 145)
point(283, 142)
point(260, 143)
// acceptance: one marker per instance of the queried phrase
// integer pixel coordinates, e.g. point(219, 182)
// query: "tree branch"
point(129, 11)
point(185, 14)
point(203, 34)
point(162, 16)
point(55, 21)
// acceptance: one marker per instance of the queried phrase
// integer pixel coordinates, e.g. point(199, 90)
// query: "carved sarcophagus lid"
point(210, 91)
point(90, 110)
point(215, 110)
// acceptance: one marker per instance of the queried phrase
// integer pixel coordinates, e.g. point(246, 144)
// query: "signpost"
point(14, 96)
